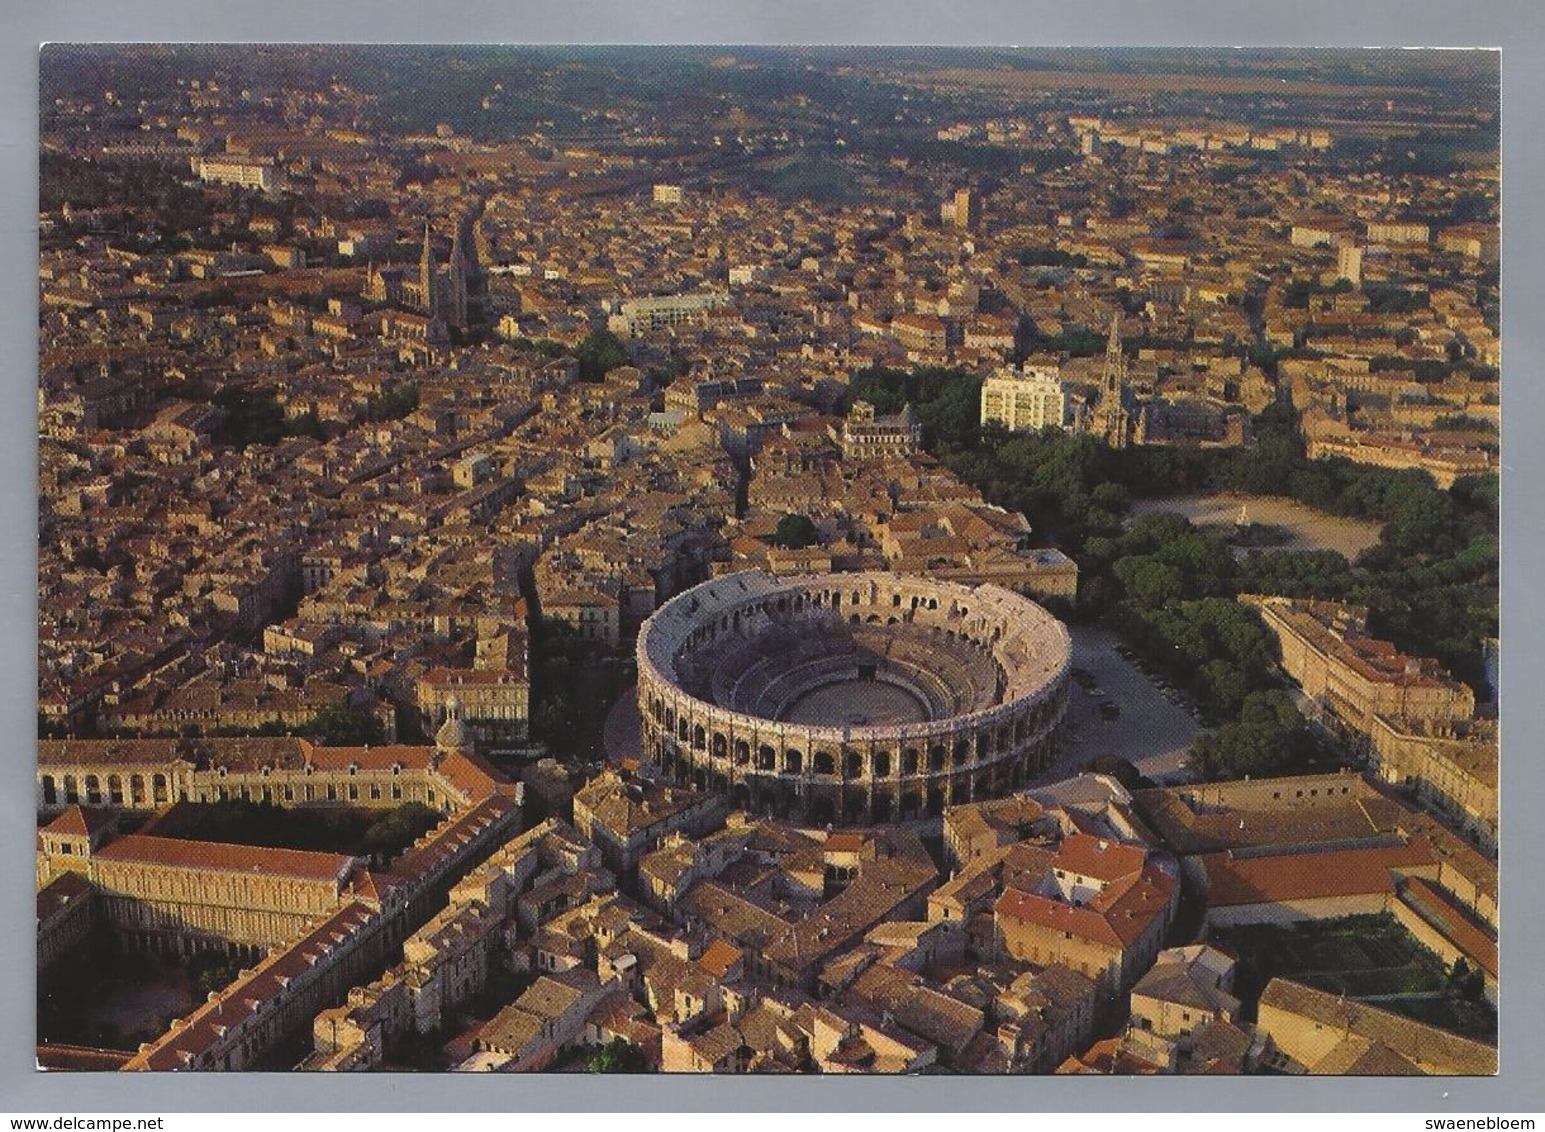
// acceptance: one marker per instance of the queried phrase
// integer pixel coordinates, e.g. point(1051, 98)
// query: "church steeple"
point(457, 278)
point(1113, 416)
point(1115, 360)
point(426, 275)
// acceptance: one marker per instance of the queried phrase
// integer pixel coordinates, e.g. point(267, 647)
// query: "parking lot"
point(1114, 709)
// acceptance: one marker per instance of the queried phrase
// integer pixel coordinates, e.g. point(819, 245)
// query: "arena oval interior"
point(851, 699)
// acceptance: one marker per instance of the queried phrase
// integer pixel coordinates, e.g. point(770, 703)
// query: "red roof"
point(1056, 915)
point(473, 775)
point(1117, 916)
point(1099, 858)
point(1277, 877)
point(461, 677)
point(80, 821)
point(58, 893)
point(373, 886)
point(370, 758)
point(719, 957)
point(85, 1059)
point(1439, 909)
point(180, 1047)
point(214, 856)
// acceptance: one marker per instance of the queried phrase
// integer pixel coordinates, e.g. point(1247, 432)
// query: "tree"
point(1269, 738)
point(211, 971)
point(344, 727)
point(617, 1056)
point(599, 354)
point(1148, 581)
point(795, 532)
point(398, 829)
point(562, 714)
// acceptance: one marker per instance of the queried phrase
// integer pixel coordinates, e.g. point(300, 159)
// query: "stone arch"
point(50, 791)
point(936, 756)
point(882, 764)
point(852, 764)
point(822, 762)
point(793, 761)
point(71, 789)
point(93, 790)
point(159, 792)
point(115, 790)
point(721, 745)
point(699, 738)
point(766, 758)
point(909, 761)
point(742, 752)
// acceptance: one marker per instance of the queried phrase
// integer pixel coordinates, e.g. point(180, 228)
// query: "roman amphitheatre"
point(851, 699)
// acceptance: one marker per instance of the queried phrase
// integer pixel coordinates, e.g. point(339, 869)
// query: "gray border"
point(1515, 25)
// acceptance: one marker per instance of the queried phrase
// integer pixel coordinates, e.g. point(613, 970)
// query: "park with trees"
point(1167, 587)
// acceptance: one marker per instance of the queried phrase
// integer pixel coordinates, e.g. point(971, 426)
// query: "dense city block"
point(768, 560)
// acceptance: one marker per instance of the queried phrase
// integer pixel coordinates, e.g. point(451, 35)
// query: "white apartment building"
point(1025, 400)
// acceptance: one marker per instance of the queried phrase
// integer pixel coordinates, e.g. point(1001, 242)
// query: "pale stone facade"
point(991, 666)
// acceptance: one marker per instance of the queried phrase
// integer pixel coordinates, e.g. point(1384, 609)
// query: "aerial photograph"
point(738, 560)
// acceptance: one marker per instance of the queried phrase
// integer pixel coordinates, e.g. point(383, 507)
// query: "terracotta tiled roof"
point(86, 752)
point(719, 957)
point(1115, 917)
point(383, 757)
point(79, 1058)
point(185, 1043)
point(1056, 915)
point(80, 821)
point(1098, 858)
point(1271, 879)
point(1439, 909)
point(214, 856)
point(845, 842)
point(61, 891)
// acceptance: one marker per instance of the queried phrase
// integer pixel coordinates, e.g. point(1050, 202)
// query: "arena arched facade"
point(851, 699)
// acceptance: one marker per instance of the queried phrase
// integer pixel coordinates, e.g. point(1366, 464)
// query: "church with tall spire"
point(1114, 415)
point(448, 295)
point(427, 299)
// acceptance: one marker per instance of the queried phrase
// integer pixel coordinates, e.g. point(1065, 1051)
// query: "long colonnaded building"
point(315, 923)
point(851, 698)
